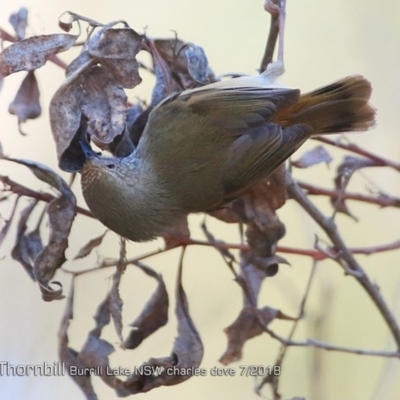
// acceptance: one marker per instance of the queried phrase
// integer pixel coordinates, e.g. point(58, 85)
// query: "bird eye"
point(110, 166)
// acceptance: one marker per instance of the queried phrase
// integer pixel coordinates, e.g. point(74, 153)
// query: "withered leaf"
point(197, 63)
point(26, 104)
point(89, 246)
point(343, 175)
point(116, 304)
point(122, 145)
point(95, 351)
point(153, 316)
point(188, 69)
point(6, 226)
point(186, 356)
point(20, 250)
point(61, 212)
point(312, 157)
point(245, 327)
point(94, 91)
point(69, 356)
point(165, 84)
point(263, 227)
point(116, 49)
point(265, 263)
point(19, 22)
point(32, 53)
point(34, 243)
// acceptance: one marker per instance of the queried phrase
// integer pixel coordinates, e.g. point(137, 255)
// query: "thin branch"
point(380, 161)
point(22, 190)
point(284, 347)
point(383, 201)
point(315, 254)
point(344, 254)
point(272, 37)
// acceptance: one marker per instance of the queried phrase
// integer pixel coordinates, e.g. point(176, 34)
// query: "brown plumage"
point(206, 147)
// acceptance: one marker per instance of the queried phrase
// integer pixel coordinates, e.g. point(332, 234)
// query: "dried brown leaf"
point(20, 250)
point(116, 49)
point(315, 156)
point(188, 69)
point(32, 53)
point(34, 243)
point(19, 22)
point(26, 104)
point(6, 226)
point(93, 91)
point(90, 246)
point(116, 304)
point(185, 359)
point(165, 84)
point(197, 63)
point(61, 212)
point(343, 175)
point(122, 145)
point(153, 316)
point(95, 351)
point(245, 327)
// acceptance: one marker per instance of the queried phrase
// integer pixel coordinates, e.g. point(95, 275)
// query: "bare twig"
point(345, 256)
point(283, 349)
point(380, 161)
point(380, 200)
point(272, 37)
point(22, 190)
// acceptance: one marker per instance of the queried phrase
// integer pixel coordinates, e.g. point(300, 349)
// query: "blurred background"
point(324, 42)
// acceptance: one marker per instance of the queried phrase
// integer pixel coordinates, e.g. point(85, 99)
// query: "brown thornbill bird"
point(205, 147)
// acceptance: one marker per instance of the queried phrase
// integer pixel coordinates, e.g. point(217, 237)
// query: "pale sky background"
point(324, 42)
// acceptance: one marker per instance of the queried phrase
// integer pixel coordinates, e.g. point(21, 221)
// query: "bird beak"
point(88, 151)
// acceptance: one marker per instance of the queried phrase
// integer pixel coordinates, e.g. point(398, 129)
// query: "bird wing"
point(230, 131)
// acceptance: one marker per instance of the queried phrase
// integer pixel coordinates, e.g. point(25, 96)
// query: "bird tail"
point(339, 107)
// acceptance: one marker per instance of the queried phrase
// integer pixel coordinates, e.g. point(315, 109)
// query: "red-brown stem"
point(362, 152)
point(334, 194)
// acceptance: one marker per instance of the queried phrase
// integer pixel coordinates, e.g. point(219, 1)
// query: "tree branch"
point(344, 254)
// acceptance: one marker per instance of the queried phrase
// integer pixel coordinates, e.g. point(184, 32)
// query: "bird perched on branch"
point(205, 147)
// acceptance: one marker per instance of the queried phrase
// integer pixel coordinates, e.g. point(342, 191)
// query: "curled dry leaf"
point(122, 145)
point(61, 212)
point(116, 304)
point(165, 84)
point(93, 91)
point(32, 53)
point(264, 229)
point(90, 246)
point(20, 250)
point(68, 356)
point(197, 63)
point(34, 243)
point(95, 351)
point(19, 22)
point(7, 224)
point(185, 359)
point(188, 68)
point(245, 327)
point(343, 175)
point(26, 104)
point(154, 314)
point(312, 157)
